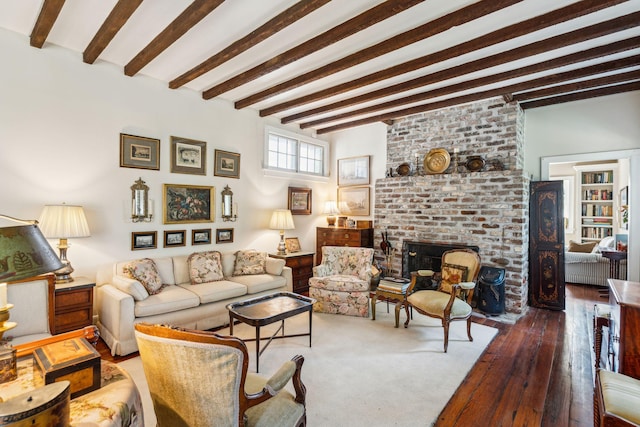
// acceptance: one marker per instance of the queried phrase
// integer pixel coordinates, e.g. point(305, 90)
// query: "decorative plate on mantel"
point(437, 161)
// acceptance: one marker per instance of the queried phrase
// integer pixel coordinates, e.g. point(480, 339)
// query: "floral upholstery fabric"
point(340, 284)
point(249, 262)
point(144, 271)
point(450, 275)
point(116, 403)
point(205, 267)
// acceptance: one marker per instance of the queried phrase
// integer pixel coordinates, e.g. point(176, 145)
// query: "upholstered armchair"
point(452, 300)
point(340, 284)
point(199, 378)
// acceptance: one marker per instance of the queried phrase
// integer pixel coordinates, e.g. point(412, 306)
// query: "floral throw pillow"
point(249, 262)
point(452, 274)
point(205, 267)
point(144, 271)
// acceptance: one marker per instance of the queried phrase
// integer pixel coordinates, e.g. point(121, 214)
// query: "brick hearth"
point(488, 209)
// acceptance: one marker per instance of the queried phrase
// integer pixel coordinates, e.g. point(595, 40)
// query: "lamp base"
point(331, 221)
point(282, 248)
point(63, 275)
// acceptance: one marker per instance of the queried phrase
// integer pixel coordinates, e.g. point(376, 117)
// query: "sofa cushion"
point(144, 271)
point(260, 282)
point(216, 291)
point(451, 274)
point(205, 267)
point(181, 269)
point(249, 262)
point(340, 283)
point(581, 247)
point(131, 287)
point(274, 266)
point(172, 298)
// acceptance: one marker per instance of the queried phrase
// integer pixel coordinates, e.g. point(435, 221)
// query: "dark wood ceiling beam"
point(537, 23)
point(193, 14)
point(46, 18)
point(278, 23)
point(562, 61)
point(462, 99)
point(578, 96)
point(119, 15)
point(439, 25)
point(582, 85)
point(586, 33)
point(366, 19)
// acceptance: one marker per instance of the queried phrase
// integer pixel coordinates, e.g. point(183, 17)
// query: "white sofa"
point(120, 304)
point(589, 267)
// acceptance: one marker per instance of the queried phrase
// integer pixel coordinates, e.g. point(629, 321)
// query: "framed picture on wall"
point(224, 235)
point(354, 201)
point(143, 240)
point(292, 244)
point(187, 203)
point(201, 236)
point(174, 238)
point(299, 201)
point(139, 152)
point(188, 156)
point(353, 171)
point(226, 164)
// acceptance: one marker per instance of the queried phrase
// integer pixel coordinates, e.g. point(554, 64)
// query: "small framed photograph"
point(224, 235)
point(299, 201)
point(201, 236)
point(143, 240)
point(353, 171)
point(226, 164)
point(139, 152)
point(188, 156)
point(292, 244)
point(187, 203)
point(354, 200)
point(174, 238)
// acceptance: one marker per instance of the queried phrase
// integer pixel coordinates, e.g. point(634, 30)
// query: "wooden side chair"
point(452, 300)
point(199, 378)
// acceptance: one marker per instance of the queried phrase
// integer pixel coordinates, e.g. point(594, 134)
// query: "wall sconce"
point(228, 213)
point(140, 211)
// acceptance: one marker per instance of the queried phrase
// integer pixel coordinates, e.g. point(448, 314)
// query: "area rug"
point(360, 372)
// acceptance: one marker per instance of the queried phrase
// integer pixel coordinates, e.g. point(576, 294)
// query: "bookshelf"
point(597, 204)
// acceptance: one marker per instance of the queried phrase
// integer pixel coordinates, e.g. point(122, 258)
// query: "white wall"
point(60, 121)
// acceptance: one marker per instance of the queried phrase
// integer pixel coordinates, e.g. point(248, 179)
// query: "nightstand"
point(73, 305)
point(301, 264)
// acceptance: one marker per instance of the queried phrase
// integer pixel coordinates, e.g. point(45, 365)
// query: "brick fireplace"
point(487, 209)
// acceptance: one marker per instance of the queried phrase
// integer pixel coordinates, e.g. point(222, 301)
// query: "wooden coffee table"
point(269, 309)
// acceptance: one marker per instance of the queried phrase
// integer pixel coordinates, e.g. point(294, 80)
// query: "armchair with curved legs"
point(452, 300)
point(199, 378)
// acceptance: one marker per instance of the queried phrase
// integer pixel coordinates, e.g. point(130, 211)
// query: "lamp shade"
point(330, 208)
point(24, 253)
point(63, 221)
point(281, 219)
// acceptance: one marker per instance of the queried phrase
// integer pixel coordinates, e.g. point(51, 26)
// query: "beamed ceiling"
point(330, 65)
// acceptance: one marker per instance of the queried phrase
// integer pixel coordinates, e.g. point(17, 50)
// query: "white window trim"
point(300, 137)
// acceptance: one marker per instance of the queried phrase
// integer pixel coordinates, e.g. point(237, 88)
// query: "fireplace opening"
point(425, 256)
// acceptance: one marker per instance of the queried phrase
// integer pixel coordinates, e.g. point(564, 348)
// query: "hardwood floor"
point(537, 372)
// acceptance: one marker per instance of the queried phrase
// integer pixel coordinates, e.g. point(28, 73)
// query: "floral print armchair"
point(340, 284)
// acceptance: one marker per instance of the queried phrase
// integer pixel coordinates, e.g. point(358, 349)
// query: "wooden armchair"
point(200, 378)
point(452, 300)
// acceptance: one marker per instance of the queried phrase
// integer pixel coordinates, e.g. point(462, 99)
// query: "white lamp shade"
point(330, 208)
point(281, 219)
point(63, 221)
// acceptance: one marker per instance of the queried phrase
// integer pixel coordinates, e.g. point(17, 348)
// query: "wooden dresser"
point(73, 305)
point(624, 298)
point(340, 236)
point(301, 264)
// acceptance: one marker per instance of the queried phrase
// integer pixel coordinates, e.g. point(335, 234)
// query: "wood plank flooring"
point(537, 372)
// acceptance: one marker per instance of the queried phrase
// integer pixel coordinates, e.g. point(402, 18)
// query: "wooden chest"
point(73, 360)
point(301, 264)
point(339, 236)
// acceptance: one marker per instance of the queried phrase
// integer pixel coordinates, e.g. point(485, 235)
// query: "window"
point(289, 152)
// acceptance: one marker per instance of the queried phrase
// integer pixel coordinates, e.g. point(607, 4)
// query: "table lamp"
point(331, 210)
point(281, 219)
point(24, 253)
point(63, 222)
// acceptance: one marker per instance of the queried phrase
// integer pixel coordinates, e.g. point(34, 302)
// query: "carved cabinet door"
point(546, 246)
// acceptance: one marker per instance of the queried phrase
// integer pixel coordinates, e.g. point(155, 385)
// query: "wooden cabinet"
point(624, 298)
point(73, 305)
point(339, 236)
point(301, 264)
point(597, 190)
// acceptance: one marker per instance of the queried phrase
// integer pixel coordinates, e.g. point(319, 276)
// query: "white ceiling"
point(80, 20)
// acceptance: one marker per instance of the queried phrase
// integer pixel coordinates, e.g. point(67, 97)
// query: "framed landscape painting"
point(353, 171)
point(299, 201)
point(143, 240)
point(224, 235)
point(139, 152)
point(354, 200)
point(187, 203)
point(174, 238)
point(201, 236)
point(226, 164)
point(188, 156)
